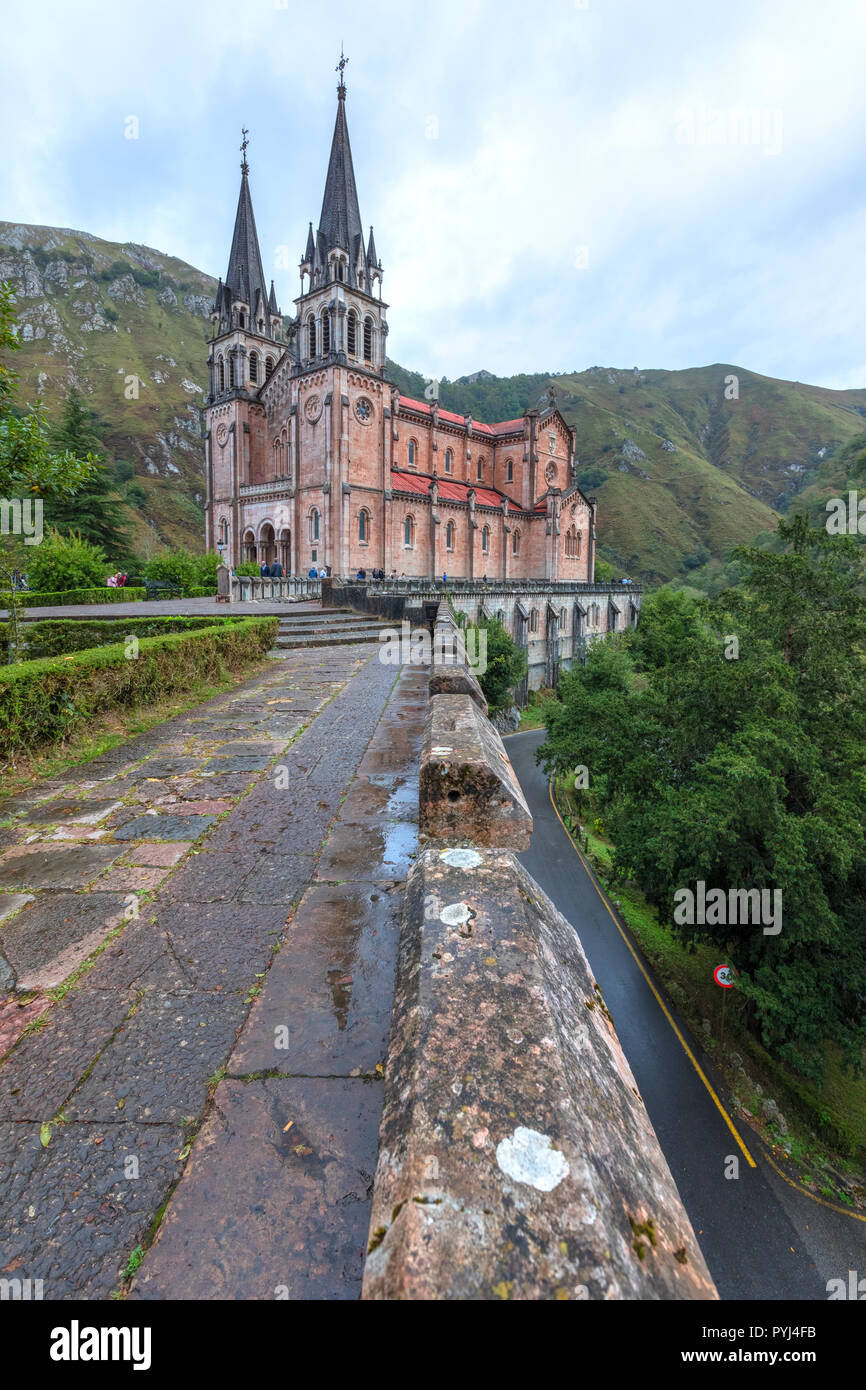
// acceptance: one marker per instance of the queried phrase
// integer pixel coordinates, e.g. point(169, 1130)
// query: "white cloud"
point(556, 128)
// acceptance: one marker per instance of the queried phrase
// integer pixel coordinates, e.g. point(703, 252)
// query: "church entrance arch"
point(267, 544)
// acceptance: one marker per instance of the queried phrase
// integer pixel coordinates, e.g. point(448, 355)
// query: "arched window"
point(326, 333)
point(311, 336)
point(449, 461)
point(413, 454)
point(485, 539)
point(480, 469)
point(352, 333)
point(409, 531)
point(314, 524)
point(509, 471)
point(368, 339)
point(249, 545)
point(515, 542)
point(449, 535)
point(242, 320)
point(364, 525)
point(533, 620)
point(254, 366)
point(222, 372)
point(578, 543)
point(231, 370)
point(269, 367)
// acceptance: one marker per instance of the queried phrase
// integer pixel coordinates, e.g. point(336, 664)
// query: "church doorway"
point(267, 544)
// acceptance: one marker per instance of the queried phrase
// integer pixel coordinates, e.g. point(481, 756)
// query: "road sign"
point(724, 975)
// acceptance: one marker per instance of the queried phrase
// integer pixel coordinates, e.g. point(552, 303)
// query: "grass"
point(826, 1138)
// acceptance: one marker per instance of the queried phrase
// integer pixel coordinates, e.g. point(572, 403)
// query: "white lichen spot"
point(529, 1157)
point(441, 752)
point(461, 858)
point(455, 914)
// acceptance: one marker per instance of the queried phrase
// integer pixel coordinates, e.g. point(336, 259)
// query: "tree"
point(725, 743)
point(95, 511)
point(506, 664)
point(32, 470)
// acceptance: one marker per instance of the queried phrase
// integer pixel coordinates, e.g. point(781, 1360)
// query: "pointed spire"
point(310, 252)
point(272, 301)
point(245, 277)
point(371, 250)
point(340, 222)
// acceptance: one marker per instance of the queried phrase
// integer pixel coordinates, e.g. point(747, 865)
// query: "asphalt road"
point(760, 1237)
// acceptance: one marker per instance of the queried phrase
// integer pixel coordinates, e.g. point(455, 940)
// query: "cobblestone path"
point(148, 901)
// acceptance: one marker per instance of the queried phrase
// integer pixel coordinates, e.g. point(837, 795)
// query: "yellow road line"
point(661, 1003)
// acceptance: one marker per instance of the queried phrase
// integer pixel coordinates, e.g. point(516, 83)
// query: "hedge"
point(33, 598)
point(201, 593)
point(57, 636)
point(44, 701)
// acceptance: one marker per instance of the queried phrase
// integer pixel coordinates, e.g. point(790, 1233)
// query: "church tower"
point(244, 349)
point(339, 315)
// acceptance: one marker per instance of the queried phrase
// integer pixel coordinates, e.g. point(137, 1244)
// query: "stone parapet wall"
point(516, 1158)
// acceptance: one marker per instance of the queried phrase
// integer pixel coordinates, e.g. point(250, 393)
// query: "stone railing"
point(245, 588)
point(516, 1158)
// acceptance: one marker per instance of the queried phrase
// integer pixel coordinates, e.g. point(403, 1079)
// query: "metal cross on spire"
point(340, 68)
point(245, 168)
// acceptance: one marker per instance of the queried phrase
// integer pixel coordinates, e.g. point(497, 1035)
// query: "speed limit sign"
point(724, 975)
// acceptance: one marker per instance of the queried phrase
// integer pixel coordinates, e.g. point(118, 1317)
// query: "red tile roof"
point(453, 491)
point(478, 427)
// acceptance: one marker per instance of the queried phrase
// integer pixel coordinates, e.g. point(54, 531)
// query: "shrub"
point(44, 701)
point(35, 598)
point(174, 565)
point(57, 636)
point(66, 562)
point(198, 592)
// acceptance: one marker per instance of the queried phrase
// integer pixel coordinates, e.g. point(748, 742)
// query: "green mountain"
point(684, 464)
point(100, 314)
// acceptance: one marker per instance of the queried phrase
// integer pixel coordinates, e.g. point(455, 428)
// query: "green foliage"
point(95, 511)
point(193, 572)
point(38, 599)
point(249, 567)
point(57, 636)
point(506, 664)
point(66, 562)
point(28, 462)
point(44, 701)
point(745, 773)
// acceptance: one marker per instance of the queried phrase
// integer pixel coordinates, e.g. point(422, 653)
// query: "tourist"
point(323, 573)
point(362, 574)
point(276, 570)
point(313, 573)
point(265, 570)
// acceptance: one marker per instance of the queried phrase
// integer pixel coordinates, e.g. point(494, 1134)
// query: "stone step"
point(322, 639)
point(311, 629)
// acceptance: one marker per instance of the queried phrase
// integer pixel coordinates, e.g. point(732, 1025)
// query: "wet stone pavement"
point(198, 936)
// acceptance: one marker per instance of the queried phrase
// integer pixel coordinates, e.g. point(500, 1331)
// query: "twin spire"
point(339, 230)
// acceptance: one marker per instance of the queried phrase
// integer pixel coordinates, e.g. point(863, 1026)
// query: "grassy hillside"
point(97, 312)
point(680, 471)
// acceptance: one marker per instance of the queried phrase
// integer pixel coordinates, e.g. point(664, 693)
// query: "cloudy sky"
point(553, 185)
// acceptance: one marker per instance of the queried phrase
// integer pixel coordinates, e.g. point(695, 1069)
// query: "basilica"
point(315, 458)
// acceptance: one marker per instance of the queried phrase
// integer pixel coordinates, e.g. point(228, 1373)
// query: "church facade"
point(314, 458)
